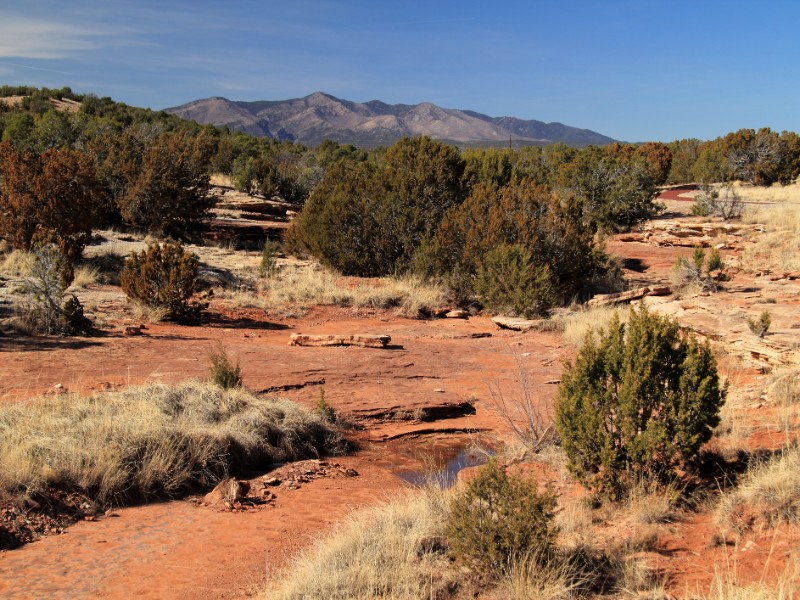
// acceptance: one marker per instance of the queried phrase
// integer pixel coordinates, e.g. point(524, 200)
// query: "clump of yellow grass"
point(152, 440)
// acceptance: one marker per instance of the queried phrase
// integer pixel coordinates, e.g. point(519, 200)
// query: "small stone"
point(439, 390)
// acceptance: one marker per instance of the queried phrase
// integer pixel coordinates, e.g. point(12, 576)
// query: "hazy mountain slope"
point(321, 116)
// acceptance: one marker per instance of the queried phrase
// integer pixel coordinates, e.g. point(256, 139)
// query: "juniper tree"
point(638, 402)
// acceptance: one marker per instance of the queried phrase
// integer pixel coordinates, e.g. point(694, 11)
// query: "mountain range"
point(320, 116)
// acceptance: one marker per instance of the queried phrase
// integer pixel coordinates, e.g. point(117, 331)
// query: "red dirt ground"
point(183, 550)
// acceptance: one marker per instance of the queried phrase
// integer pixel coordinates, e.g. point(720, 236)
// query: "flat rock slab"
point(363, 340)
point(515, 323)
point(606, 299)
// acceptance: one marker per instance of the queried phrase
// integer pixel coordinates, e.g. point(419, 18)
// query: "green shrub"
point(269, 259)
point(714, 262)
point(499, 518)
point(323, 409)
point(638, 403)
point(524, 215)
point(221, 372)
point(509, 281)
point(163, 276)
point(761, 325)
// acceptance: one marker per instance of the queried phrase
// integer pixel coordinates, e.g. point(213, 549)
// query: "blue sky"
point(633, 70)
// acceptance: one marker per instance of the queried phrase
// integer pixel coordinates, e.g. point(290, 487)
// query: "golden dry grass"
point(153, 440)
point(17, 263)
point(773, 193)
point(148, 314)
point(84, 276)
point(727, 583)
point(768, 493)
point(387, 551)
point(590, 320)
point(292, 291)
point(778, 247)
point(535, 578)
point(649, 502)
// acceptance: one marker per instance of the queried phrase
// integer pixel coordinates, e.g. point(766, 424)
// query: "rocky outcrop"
point(363, 340)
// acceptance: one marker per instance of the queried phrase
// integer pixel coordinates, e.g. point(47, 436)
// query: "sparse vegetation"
point(393, 550)
point(523, 412)
point(154, 440)
point(221, 371)
point(294, 290)
point(636, 403)
point(768, 494)
point(46, 307)
point(778, 247)
point(323, 409)
point(163, 275)
point(694, 275)
point(269, 259)
point(721, 201)
point(582, 322)
point(760, 326)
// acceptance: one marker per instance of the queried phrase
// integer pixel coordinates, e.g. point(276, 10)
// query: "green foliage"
point(760, 326)
point(509, 282)
point(499, 518)
point(169, 191)
point(269, 259)
point(557, 247)
point(697, 270)
point(636, 404)
point(714, 261)
point(221, 371)
point(370, 218)
point(323, 409)
point(698, 258)
point(616, 192)
point(163, 276)
point(46, 307)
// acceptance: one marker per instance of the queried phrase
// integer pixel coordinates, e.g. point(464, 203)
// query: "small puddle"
point(445, 473)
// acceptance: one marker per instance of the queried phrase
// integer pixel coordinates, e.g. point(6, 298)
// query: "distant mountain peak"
point(320, 116)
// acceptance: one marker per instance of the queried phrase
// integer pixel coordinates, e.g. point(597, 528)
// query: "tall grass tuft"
point(221, 371)
point(393, 550)
point(149, 441)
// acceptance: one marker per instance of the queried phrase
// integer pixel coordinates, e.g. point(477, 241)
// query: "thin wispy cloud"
point(6, 70)
point(23, 37)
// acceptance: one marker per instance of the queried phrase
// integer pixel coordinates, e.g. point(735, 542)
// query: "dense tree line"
point(520, 229)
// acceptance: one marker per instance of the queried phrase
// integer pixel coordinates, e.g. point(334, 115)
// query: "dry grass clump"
point(295, 290)
point(17, 263)
point(537, 578)
point(153, 440)
point(773, 193)
point(769, 493)
point(778, 247)
point(84, 276)
point(727, 584)
point(651, 502)
point(148, 314)
point(590, 320)
point(393, 550)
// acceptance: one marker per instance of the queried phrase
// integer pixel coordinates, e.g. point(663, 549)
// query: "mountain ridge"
point(319, 116)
